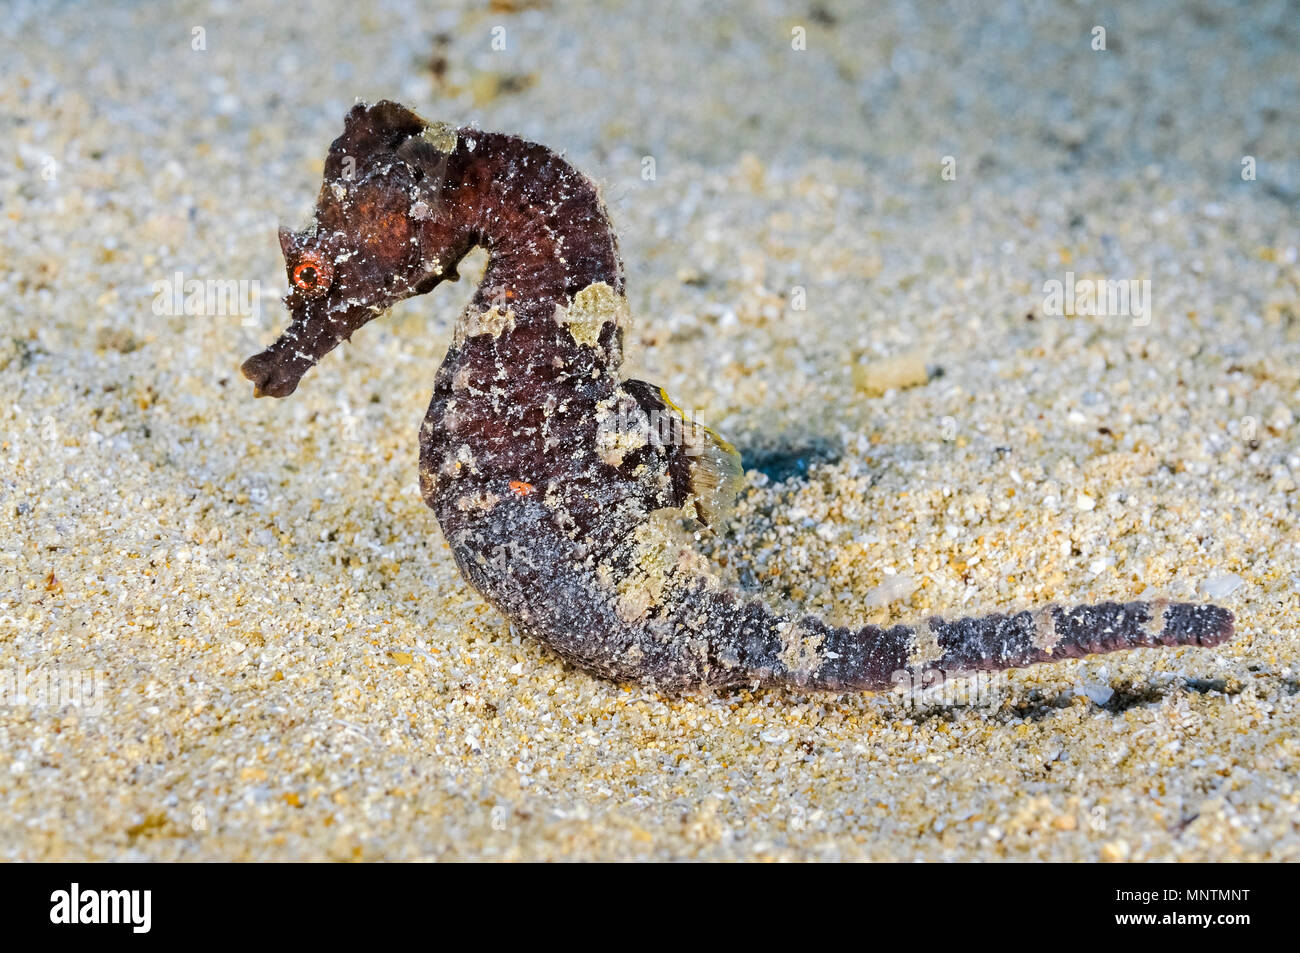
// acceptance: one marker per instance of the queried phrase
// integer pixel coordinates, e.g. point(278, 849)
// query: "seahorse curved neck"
point(541, 221)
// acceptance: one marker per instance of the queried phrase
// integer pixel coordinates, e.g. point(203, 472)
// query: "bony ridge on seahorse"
point(549, 475)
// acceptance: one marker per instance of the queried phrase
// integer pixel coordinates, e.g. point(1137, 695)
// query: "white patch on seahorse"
point(1046, 638)
point(477, 501)
point(460, 380)
point(661, 559)
point(1155, 624)
point(621, 427)
point(473, 322)
point(428, 482)
point(924, 647)
point(440, 135)
point(801, 650)
point(592, 307)
point(464, 459)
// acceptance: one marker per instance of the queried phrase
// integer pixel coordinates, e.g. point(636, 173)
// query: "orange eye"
point(312, 273)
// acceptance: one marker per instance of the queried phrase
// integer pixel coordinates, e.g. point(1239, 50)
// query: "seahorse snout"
point(269, 375)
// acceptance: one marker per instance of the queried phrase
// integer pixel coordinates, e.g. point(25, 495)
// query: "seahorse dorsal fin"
point(716, 473)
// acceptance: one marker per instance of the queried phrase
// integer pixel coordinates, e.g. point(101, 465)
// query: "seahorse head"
point(381, 233)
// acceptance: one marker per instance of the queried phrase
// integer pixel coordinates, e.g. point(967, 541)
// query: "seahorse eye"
point(312, 273)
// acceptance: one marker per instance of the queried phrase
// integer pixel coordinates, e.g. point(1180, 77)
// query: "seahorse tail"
point(739, 641)
point(812, 655)
point(666, 623)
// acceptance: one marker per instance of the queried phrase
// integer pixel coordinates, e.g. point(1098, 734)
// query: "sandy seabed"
point(241, 635)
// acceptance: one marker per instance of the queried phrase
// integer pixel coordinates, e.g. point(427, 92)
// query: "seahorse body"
point(564, 491)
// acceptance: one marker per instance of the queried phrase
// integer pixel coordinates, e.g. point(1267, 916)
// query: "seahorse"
point(566, 501)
